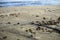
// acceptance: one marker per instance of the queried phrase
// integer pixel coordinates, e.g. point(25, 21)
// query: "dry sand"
point(15, 20)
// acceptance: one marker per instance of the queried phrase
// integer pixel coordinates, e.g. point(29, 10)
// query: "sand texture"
point(30, 23)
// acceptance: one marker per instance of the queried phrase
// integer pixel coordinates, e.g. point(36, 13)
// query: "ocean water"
point(26, 3)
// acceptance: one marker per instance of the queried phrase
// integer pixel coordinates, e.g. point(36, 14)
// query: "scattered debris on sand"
point(30, 23)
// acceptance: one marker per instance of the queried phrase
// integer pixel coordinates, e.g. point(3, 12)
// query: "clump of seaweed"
point(31, 36)
point(8, 22)
point(1, 39)
point(32, 22)
point(26, 30)
point(18, 39)
point(44, 18)
point(2, 16)
point(50, 31)
point(58, 19)
point(18, 23)
point(38, 28)
point(4, 37)
point(37, 15)
point(30, 30)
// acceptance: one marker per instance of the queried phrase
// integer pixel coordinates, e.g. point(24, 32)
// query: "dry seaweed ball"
point(58, 18)
point(45, 28)
point(26, 30)
point(42, 28)
point(4, 37)
point(50, 22)
point(34, 32)
point(40, 24)
point(30, 30)
point(18, 39)
point(31, 35)
point(37, 15)
point(43, 23)
point(49, 31)
point(44, 18)
point(32, 22)
point(1, 39)
point(18, 23)
point(8, 23)
point(2, 30)
point(38, 28)
point(37, 21)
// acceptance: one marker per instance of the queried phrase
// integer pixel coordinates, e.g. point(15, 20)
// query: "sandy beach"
point(30, 23)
